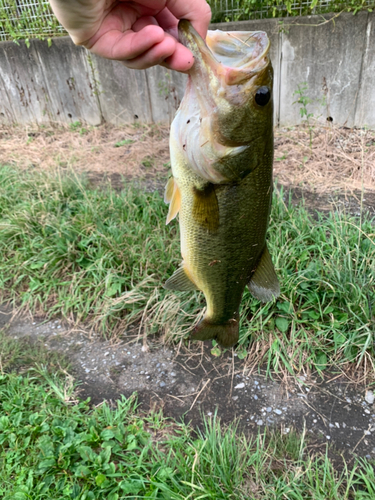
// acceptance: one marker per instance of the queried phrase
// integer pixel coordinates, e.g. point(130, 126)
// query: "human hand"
point(140, 33)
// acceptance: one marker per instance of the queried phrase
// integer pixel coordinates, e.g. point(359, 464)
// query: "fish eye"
point(262, 96)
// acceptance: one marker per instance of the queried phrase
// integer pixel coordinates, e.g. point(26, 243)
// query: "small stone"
point(331, 425)
point(162, 384)
point(367, 433)
point(367, 411)
point(328, 437)
point(173, 374)
point(269, 409)
point(209, 413)
point(235, 398)
point(260, 422)
point(344, 425)
point(348, 400)
point(157, 366)
point(106, 353)
point(302, 378)
point(255, 396)
point(369, 397)
point(256, 382)
point(277, 411)
point(286, 430)
point(315, 420)
point(337, 425)
point(240, 386)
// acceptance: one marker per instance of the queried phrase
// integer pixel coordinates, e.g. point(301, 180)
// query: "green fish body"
point(221, 148)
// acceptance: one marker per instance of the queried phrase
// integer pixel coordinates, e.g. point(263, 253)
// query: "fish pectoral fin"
point(264, 284)
point(206, 207)
point(172, 196)
point(180, 281)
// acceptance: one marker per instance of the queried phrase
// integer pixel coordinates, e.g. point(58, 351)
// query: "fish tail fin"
point(226, 334)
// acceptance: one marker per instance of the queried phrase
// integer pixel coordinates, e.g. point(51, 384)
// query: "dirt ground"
point(336, 171)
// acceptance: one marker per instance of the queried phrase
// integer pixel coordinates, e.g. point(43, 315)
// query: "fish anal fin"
point(264, 284)
point(206, 207)
point(180, 281)
point(226, 334)
point(172, 196)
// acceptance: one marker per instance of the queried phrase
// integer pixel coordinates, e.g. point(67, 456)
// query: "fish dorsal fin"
point(180, 281)
point(264, 284)
point(172, 196)
point(206, 207)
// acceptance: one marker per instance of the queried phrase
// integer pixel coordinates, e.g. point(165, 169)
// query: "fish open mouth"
point(233, 57)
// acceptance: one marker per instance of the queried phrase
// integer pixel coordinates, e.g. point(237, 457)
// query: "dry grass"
point(339, 159)
point(132, 151)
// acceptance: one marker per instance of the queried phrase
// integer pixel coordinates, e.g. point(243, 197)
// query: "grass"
point(53, 446)
point(100, 257)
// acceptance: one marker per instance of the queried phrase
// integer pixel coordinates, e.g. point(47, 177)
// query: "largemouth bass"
point(221, 148)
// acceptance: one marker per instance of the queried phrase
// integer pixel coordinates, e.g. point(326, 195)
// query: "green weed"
point(102, 257)
point(124, 142)
point(53, 448)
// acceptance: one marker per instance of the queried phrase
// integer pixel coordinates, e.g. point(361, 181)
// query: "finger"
point(168, 22)
point(198, 12)
point(144, 21)
point(129, 45)
point(155, 55)
point(181, 59)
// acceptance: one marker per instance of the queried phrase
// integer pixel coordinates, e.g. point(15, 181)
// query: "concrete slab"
point(164, 93)
point(328, 56)
point(67, 75)
point(6, 111)
point(24, 85)
point(124, 95)
point(365, 108)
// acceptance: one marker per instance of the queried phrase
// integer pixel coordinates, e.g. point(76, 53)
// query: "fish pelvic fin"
point(264, 284)
point(172, 195)
point(180, 281)
point(206, 207)
point(226, 334)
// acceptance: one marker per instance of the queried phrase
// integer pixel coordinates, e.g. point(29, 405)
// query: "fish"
point(221, 150)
